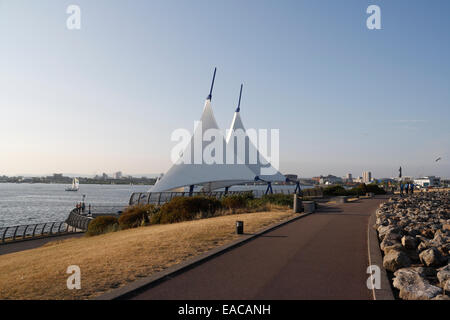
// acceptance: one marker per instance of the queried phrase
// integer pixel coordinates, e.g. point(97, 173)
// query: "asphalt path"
point(321, 256)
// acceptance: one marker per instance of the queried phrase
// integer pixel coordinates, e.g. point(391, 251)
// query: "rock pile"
point(414, 234)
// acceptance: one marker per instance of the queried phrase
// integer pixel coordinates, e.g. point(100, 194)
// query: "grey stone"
point(441, 297)
point(431, 257)
point(409, 242)
point(413, 286)
point(395, 260)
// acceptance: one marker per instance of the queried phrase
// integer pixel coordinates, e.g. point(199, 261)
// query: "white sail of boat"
point(75, 185)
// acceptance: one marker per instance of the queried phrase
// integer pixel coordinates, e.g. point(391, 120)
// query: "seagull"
point(438, 159)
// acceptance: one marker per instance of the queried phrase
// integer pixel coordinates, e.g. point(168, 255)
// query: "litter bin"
point(240, 227)
point(309, 206)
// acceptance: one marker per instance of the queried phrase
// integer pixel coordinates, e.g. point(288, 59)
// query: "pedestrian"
point(83, 207)
point(412, 188)
point(401, 188)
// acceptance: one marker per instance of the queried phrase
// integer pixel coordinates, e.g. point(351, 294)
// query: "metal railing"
point(31, 231)
point(77, 220)
point(159, 198)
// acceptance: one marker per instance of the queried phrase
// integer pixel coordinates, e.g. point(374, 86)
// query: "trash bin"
point(309, 206)
point(240, 227)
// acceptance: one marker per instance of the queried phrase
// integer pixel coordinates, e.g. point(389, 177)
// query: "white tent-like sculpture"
point(208, 176)
point(251, 155)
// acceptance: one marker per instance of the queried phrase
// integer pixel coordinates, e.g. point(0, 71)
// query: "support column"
point(269, 188)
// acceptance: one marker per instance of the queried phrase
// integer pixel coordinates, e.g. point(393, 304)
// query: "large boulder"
point(413, 285)
point(441, 297)
point(396, 259)
point(431, 258)
point(409, 242)
point(443, 276)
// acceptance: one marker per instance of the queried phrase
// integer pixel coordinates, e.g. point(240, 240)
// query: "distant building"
point(57, 176)
point(330, 179)
point(291, 177)
point(104, 176)
point(358, 180)
point(349, 177)
point(366, 176)
point(117, 175)
point(430, 181)
point(316, 179)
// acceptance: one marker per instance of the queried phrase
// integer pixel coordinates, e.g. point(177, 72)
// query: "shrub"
point(237, 201)
point(186, 208)
point(375, 189)
point(335, 191)
point(136, 216)
point(103, 224)
point(279, 199)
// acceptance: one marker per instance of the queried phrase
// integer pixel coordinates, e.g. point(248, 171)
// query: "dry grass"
point(115, 259)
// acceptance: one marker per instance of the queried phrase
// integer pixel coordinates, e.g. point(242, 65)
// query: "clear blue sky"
point(107, 97)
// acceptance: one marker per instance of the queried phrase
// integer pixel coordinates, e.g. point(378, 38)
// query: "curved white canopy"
point(210, 176)
point(238, 132)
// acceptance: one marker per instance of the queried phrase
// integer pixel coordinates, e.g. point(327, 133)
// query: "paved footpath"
point(321, 256)
point(32, 244)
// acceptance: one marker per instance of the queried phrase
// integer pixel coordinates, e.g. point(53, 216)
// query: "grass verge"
point(112, 260)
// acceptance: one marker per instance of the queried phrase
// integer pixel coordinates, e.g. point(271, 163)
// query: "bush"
point(186, 208)
point(375, 189)
point(279, 199)
point(102, 225)
point(335, 191)
point(237, 201)
point(136, 216)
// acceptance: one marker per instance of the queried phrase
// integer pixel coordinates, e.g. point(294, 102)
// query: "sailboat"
point(75, 185)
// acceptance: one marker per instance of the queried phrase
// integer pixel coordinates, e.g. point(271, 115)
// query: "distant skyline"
point(107, 97)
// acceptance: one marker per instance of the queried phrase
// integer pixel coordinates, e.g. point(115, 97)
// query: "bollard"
point(309, 206)
point(239, 227)
point(342, 199)
point(297, 204)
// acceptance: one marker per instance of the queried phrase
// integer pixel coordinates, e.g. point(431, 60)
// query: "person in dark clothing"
point(411, 188)
point(401, 188)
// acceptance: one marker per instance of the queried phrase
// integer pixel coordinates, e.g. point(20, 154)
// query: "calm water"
point(37, 203)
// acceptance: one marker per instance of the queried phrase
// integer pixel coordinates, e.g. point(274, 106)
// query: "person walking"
point(401, 188)
point(411, 186)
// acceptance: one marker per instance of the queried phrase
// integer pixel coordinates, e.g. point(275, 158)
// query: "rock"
point(443, 276)
point(409, 242)
point(395, 260)
point(387, 244)
point(446, 227)
point(431, 258)
point(384, 230)
point(413, 285)
point(423, 245)
point(441, 297)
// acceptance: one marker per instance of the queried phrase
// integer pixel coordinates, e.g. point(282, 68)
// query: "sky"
point(108, 96)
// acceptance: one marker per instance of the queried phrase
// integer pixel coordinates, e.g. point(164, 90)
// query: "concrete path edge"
point(137, 286)
point(376, 258)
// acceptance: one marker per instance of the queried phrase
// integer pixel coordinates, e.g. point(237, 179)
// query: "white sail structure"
point(251, 156)
point(208, 176)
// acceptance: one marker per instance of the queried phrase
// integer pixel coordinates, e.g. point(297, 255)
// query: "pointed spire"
point(212, 86)
point(239, 104)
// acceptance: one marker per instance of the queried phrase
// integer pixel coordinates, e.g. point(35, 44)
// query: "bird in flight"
point(438, 159)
